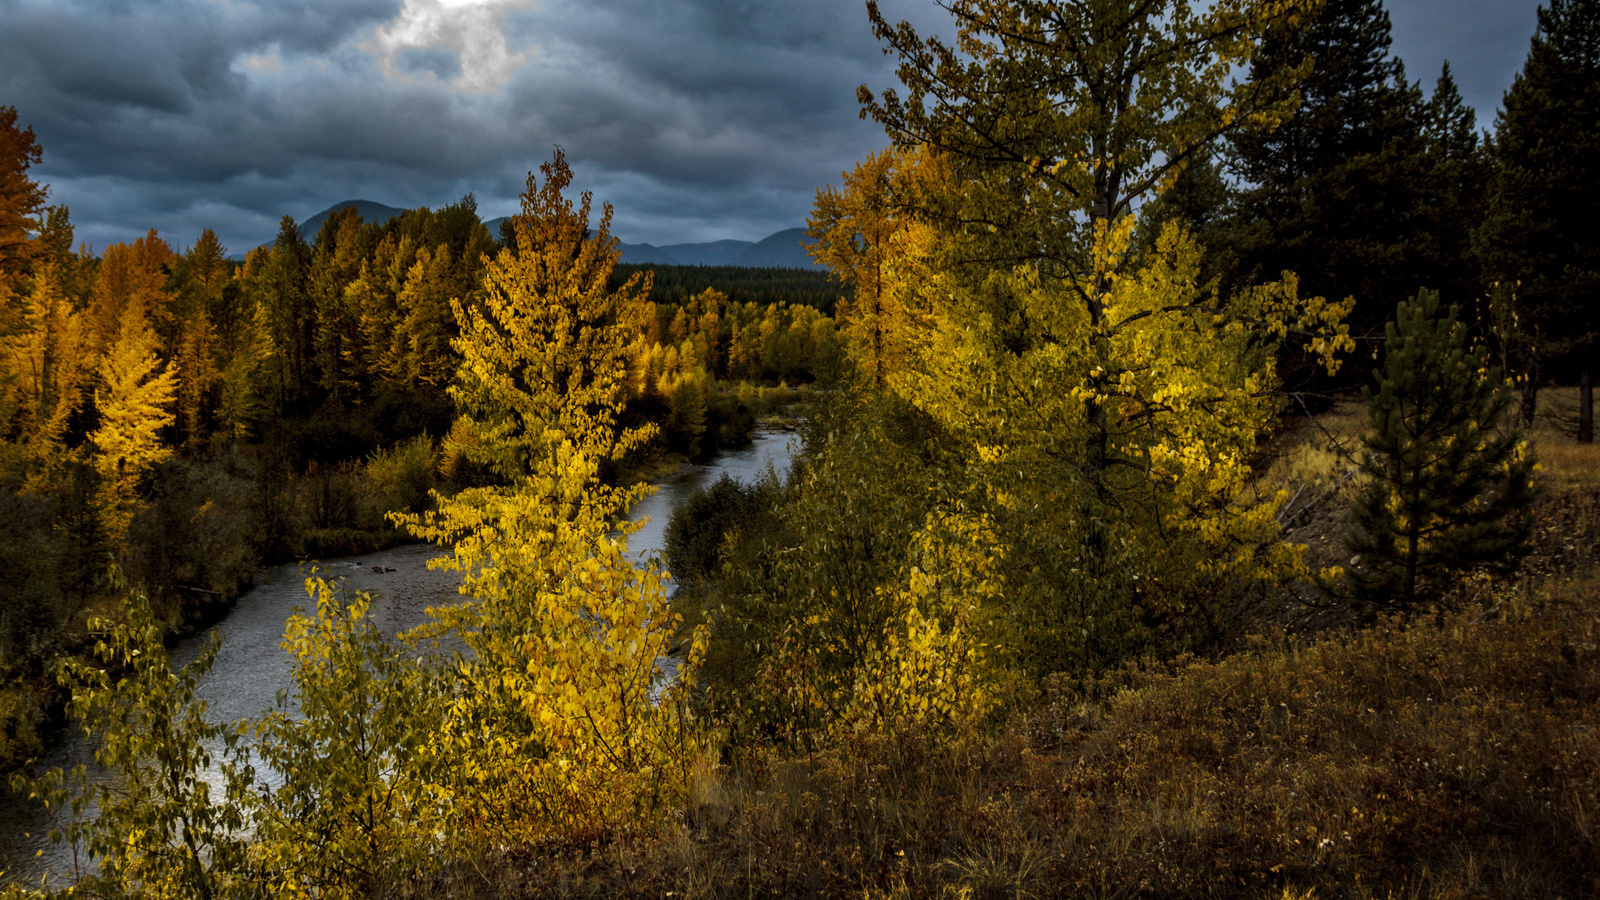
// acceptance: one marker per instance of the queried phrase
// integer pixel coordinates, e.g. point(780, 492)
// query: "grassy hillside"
point(1453, 754)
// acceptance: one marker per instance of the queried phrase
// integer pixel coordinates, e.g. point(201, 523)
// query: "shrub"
point(404, 475)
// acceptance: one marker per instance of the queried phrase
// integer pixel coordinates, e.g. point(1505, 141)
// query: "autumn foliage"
point(1008, 627)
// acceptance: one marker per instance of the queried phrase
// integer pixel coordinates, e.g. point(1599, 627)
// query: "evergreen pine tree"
point(1539, 230)
point(1332, 194)
point(1455, 178)
point(1445, 477)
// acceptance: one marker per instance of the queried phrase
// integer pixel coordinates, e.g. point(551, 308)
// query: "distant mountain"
point(780, 251)
point(714, 253)
point(370, 212)
point(648, 255)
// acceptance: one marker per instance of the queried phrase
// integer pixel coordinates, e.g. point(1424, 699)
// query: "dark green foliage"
point(728, 423)
point(341, 246)
point(676, 284)
point(31, 608)
point(165, 824)
point(399, 415)
point(1200, 201)
point(191, 542)
point(1333, 194)
point(697, 538)
point(289, 315)
point(332, 434)
point(1447, 479)
point(808, 564)
point(1539, 232)
point(720, 547)
point(1455, 178)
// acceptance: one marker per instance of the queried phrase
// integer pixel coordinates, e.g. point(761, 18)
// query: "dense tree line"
point(764, 287)
point(1376, 188)
point(189, 415)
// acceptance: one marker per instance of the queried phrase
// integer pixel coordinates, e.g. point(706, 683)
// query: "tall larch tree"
point(853, 230)
point(47, 363)
point(250, 383)
point(199, 282)
point(134, 402)
point(283, 295)
point(336, 260)
point(429, 325)
point(131, 275)
point(21, 198)
point(376, 293)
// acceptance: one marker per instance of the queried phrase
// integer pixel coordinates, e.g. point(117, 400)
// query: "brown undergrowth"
point(1449, 758)
point(1452, 754)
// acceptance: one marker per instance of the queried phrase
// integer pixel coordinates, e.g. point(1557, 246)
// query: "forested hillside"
point(1197, 498)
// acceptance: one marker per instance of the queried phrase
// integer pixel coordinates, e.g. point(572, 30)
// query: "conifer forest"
point(1193, 494)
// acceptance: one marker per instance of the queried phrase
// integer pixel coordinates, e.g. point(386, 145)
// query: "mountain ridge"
point(370, 210)
point(780, 250)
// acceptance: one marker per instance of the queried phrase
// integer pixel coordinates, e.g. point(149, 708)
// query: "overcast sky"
point(697, 119)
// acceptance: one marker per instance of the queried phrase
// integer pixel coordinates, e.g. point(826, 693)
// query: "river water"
point(251, 668)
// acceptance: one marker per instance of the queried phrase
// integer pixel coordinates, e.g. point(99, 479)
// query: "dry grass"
point(1452, 755)
point(1437, 759)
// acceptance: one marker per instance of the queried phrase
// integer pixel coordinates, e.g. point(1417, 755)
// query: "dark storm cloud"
point(697, 119)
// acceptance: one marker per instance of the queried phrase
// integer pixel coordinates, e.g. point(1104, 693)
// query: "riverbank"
point(250, 668)
point(214, 518)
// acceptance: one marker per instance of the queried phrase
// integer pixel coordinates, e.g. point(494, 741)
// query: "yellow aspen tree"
point(544, 356)
point(564, 719)
point(1106, 401)
point(356, 812)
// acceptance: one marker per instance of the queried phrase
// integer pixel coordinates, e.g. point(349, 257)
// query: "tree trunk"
point(1527, 400)
point(1585, 408)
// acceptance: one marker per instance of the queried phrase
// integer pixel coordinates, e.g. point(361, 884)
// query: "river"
point(251, 668)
